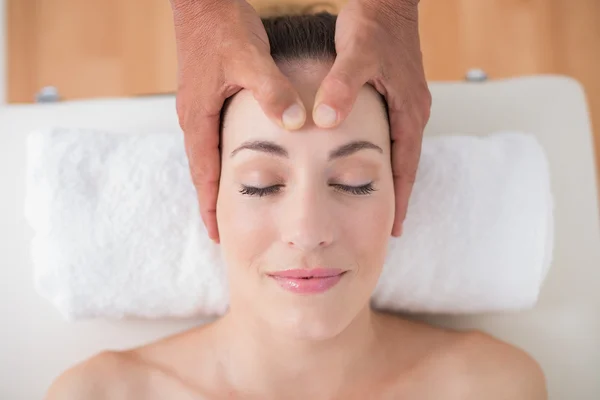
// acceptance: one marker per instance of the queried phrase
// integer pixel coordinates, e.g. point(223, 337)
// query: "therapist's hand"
point(222, 47)
point(377, 41)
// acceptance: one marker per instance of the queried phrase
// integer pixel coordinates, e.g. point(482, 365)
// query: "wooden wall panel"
point(97, 48)
point(508, 38)
point(21, 48)
point(90, 48)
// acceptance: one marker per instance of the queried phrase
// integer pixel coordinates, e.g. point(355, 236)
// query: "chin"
point(303, 323)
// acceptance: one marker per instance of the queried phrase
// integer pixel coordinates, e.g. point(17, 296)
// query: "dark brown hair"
point(301, 37)
point(297, 38)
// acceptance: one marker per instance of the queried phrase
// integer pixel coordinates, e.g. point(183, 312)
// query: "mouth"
point(308, 281)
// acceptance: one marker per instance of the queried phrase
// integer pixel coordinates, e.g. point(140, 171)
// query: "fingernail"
point(293, 117)
point(325, 116)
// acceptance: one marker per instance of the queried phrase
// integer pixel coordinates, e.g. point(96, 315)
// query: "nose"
point(307, 222)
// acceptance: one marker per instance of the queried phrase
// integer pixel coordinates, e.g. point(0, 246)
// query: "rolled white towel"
point(117, 232)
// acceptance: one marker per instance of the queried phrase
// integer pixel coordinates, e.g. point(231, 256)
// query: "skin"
point(223, 48)
point(273, 344)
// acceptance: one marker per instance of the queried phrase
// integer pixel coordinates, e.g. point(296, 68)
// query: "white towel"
point(117, 232)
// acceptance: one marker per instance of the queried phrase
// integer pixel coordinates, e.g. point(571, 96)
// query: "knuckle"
point(202, 178)
point(268, 90)
point(407, 147)
point(340, 86)
point(425, 104)
point(406, 174)
point(340, 81)
point(412, 149)
point(180, 108)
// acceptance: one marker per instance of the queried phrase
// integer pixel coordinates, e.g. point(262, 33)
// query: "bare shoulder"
point(464, 365)
point(137, 373)
point(482, 366)
point(102, 376)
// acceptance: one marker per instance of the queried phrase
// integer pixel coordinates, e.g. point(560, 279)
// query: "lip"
point(308, 281)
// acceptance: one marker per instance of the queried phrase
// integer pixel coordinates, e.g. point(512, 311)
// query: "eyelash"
point(260, 192)
point(354, 190)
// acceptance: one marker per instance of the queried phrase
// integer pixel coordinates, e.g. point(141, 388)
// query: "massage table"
point(562, 332)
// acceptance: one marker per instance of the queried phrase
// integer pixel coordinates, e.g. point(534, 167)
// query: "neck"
point(258, 358)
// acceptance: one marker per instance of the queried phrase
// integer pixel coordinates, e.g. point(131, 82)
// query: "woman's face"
point(303, 203)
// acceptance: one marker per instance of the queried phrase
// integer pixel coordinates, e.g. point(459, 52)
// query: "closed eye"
point(260, 192)
point(355, 190)
point(274, 189)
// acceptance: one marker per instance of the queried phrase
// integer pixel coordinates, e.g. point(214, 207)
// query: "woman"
point(304, 220)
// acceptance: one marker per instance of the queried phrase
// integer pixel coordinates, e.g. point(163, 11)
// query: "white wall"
point(2, 52)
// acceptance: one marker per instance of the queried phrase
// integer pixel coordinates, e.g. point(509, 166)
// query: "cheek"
point(368, 230)
point(245, 227)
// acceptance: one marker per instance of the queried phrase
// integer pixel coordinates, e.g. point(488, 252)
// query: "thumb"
point(276, 95)
point(339, 90)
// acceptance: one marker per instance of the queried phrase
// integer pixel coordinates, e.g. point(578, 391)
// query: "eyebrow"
point(262, 146)
point(352, 147)
point(272, 148)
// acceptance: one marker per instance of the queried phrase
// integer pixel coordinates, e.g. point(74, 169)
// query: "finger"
point(340, 88)
point(407, 134)
point(276, 95)
point(202, 148)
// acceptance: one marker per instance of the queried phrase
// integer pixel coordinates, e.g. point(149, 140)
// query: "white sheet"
point(562, 332)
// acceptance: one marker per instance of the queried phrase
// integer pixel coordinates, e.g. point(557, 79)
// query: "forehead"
point(245, 119)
